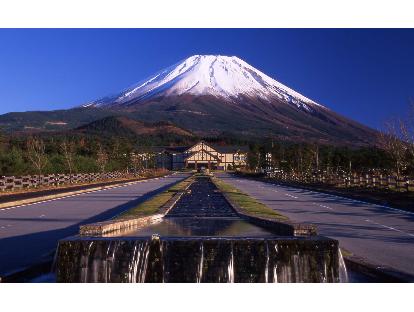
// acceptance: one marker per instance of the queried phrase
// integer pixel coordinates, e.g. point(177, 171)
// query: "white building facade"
point(201, 155)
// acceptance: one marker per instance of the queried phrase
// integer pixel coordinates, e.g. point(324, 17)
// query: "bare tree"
point(137, 162)
point(392, 140)
point(68, 150)
point(102, 158)
point(152, 160)
point(315, 152)
point(407, 132)
point(299, 156)
point(36, 154)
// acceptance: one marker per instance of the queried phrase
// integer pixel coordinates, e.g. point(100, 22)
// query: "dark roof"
point(159, 149)
point(181, 149)
point(177, 149)
point(230, 148)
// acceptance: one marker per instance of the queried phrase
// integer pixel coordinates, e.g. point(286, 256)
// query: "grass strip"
point(248, 204)
point(153, 204)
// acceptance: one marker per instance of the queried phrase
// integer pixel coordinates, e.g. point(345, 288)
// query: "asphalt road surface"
point(383, 236)
point(29, 233)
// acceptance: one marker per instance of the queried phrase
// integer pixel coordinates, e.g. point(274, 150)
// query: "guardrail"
point(401, 184)
point(12, 183)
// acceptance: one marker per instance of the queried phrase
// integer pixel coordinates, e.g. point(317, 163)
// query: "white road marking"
point(295, 197)
point(323, 206)
point(389, 227)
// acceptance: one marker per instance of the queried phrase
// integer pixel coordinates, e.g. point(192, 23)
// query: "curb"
point(384, 274)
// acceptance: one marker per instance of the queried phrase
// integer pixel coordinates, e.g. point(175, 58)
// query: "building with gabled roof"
point(201, 155)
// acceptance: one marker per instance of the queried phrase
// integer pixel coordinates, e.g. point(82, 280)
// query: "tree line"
point(392, 154)
point(302, 158)
point(39, 155)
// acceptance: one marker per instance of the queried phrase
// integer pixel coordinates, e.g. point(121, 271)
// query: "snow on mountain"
point(216, 75)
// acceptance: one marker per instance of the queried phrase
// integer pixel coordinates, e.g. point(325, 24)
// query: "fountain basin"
point(198, 259)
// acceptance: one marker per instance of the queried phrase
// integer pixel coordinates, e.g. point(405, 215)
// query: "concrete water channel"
point(201, 239)
point(204, 212)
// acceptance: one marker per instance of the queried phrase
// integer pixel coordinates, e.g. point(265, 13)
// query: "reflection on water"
point(223, 227)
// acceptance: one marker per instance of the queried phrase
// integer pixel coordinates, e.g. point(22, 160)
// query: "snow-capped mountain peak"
point(221, 76)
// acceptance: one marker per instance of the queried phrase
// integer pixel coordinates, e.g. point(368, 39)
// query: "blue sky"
point(367, 75)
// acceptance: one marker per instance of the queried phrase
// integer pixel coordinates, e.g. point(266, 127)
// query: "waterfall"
point(275, 279)
point(110, 259)
point(101, 262)
point(200, 264)
point(138, 265)
point(84, 262)
point(230, 267)
point(343, 274)
point(153, 259)
point(271, 266)
point(162, 262)
point(267, 263)
point(325, 273)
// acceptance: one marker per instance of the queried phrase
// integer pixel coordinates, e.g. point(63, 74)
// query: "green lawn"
point(153, 205)
point(248, 204)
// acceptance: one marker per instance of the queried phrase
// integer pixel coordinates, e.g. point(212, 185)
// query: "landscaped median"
point(155, 204)
point(148, 212)
point(257, 212)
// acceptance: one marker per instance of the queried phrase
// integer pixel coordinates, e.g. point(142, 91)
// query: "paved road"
point(30, 233)
point(382, 235)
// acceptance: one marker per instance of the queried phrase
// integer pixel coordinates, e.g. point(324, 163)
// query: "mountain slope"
point(204, 115)
point(51, 120)
point(122, 126)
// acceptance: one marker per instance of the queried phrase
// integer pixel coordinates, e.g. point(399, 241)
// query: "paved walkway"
point(29, 233)
point(384, 236)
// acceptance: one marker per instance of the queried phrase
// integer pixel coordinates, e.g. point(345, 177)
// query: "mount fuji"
point(212, 95)
point(215, 75)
